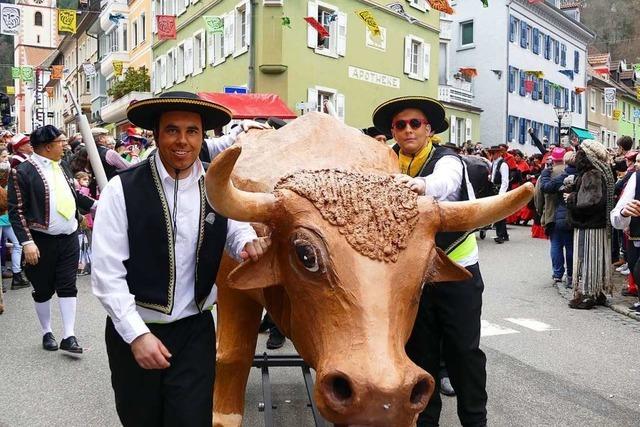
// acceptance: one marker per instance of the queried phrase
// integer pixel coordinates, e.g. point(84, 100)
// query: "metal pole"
point(559, 130)
point(87, 138)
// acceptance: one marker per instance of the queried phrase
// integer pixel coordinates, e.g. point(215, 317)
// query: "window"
point(37, 19)
point(522, 134)
point(171, 67)
point(417, 58)
point(576, 62)
point(421, 5)
point(557, 97)
point(534, 93)
point(156, 71)
point(188, 56)
point(198, 52)
point(535, 46)
point(134, 34)
point(602, 105)
point(318, 95)
point(523, 78)
point(215, 46)
point(513, 28)
point(609, 109)
point(513, 122)
point(524, 35)
point(466, 33)
point(242, 28)
point(336, 24)
point(573, 102)
point(124, 37)
point(563, 55)
point(513, 75)
point(180, 63)
point(556, 51)
point(143, 27)
point(592, 100)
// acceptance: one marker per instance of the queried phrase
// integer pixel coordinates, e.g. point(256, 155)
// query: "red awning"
point(251, 105)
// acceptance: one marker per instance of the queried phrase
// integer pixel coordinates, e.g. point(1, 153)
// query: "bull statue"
point(351, 250)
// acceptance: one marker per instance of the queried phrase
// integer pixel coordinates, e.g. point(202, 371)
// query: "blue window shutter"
point(536, 41)
point(556, 51)
point(512, 29)
point(510, 128)
point(579, 100)
point(523, 131)
point(522, 79)
point(573, 101)
point(512, 79)
point(523, 34)
point(576, 62)
point(566, 98)
point(534, 94)
point(546, 130)
point(547, 41)
point(563, 55)
point(546, 91)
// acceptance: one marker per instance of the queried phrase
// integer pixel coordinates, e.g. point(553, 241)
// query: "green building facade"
point(269, 48)
point(629, 122)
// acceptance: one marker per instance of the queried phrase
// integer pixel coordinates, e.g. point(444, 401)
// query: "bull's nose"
point(337, 390)
point(421, 391)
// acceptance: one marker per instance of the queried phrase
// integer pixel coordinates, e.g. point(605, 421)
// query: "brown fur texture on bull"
point(375, 213)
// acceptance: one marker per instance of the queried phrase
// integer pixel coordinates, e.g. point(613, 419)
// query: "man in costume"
point(20, 148)
point(449, 313)
point(43, 210)
point(500, 180)
point(157, 246)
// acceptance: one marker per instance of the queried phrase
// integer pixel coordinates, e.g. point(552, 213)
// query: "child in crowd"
point(83, 180)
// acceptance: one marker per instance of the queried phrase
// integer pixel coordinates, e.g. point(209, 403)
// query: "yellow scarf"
point(411, 165)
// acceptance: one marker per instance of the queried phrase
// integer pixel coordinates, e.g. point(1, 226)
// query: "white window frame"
point(180, 74)
point(198, 63)
point(336, 98)
point(421, 5)
point(181, 6)
point(134, 34)
point(337, 30)
point(468, 45)
point(188, 56)
point(142, 27)
point(592, 100)
point(171, 67)
point(609, 109)
point(423, 58)
point(157, 85)
point(238, 28)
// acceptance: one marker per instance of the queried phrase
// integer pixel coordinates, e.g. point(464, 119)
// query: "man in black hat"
point(449, 313)
point(376, 134)
point(157, 246)
point(500, 180)
point(43, 210)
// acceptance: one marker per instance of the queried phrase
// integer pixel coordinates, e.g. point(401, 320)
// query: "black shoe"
point(266, 324)
point(446, 388)
point(505, 238)
point(19, 281)
point(7, 274)
point(498, 240)
point(71, 345)
point(601, 299)
point(582, 303)
point(276, 339)
point(626, 293)
point(49, 342)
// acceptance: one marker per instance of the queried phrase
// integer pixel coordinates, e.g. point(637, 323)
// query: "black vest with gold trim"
point(151, 269)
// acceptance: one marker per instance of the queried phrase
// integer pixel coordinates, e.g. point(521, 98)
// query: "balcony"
point(458, 95)
point(116, 111)
point(111, 7)
point(106, 63)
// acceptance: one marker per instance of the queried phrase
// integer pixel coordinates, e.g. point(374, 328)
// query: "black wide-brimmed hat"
point(146, 114)
point(432, 109)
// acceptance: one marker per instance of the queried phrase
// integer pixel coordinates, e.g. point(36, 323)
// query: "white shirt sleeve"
point(617, 220)
point(218, 145)
point(238, 235)
point(445, 181)
point(504, 173)
point(110, 248)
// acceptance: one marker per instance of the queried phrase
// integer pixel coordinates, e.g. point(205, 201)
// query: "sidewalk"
point(615, 302)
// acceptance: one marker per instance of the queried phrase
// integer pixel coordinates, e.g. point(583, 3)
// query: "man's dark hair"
point(44, 135)
point(625, 143)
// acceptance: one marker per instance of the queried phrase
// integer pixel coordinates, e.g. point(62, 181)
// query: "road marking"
point(532, 324)
point(488, 329)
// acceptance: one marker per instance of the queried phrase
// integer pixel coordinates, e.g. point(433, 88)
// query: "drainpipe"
point(251, 81)
point(506, 72)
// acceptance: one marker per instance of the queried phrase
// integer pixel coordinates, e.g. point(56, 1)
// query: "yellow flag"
point(67, 21)
point(117, 68)
point(617, 114)
point(11, 90)
point(369, 19)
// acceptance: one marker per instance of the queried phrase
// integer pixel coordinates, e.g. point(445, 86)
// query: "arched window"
point(38, 19)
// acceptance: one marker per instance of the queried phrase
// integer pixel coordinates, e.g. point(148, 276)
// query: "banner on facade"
point(11, 90)
point(617, 114)
point(66, 21)
point(535, 73)
point(370, 21)
point(610, 95)
point(322, 32)
point(56, 72)
point(638, 93)
point(89, 69)
point(26, 74)
point(166, 27)
point(15, 73)
point(442, 6)
point(528, 86)
point(9, 19)
point(117, 68)
point(214, 24)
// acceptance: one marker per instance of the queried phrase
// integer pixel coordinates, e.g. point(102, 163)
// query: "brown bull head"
point(351, 260)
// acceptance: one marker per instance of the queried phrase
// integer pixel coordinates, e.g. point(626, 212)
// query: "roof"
point(598, 59)
point(614, 65)
point(251, 105)
point(569, 4)
point(627, 75)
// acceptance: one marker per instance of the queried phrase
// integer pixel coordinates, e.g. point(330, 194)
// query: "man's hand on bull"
point(417, 185)
point(256, 248)
point(252, 124)
point(149, 352)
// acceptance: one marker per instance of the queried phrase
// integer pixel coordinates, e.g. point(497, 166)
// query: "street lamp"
point(561, 113)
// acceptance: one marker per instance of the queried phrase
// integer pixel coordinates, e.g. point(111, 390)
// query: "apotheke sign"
point(373, 77)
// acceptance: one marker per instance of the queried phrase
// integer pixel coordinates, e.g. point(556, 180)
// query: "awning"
point(582, 133)
point(251, 105)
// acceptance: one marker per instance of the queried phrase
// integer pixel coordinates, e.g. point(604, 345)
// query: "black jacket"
point(29, 199)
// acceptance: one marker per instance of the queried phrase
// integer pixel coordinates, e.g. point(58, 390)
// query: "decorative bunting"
point(117, 68)
point(11, 90)
point(485, 3)
point(166, 27)
point(66, 21)
point(468, 72)
point(638, 93)
point(568, 73)
point(15, 73)
point(10, 19)
point(56, 72)
point(89, 69)
point(442, 6)
point(617, 114)
point(535, 73)
point(610, 95)
point(286, 21)
point(579, 90)
point(26, 73)
point(369, 19)
point(322, 32)
point(528, 86)
point(214, 24)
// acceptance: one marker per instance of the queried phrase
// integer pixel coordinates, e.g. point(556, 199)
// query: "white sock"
point(68, 312)
point(43, 310)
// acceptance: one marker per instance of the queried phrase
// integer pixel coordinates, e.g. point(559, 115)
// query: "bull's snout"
point(394, 400)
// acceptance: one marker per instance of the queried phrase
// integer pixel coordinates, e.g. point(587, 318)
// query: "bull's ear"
point(445, 270)
point(256, 274)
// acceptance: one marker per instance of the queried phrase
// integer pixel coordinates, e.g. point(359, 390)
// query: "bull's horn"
point(472, 214)
point(231, 202)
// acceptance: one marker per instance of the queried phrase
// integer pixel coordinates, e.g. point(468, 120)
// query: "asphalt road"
point(547, 365)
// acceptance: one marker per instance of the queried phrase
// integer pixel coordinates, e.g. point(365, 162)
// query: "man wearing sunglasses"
point(448, 322)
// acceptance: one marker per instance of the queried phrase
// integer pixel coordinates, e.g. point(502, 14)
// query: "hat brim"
point(432, 109)
point(146, 114)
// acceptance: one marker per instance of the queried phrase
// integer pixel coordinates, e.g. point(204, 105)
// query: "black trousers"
point(56, 270)
point(181, 395)
point(501, 228)
point(449, 313)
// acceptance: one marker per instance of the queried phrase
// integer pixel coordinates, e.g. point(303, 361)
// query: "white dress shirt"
point(110, 248)
point(58, 224)
point(504, 173)
point(218, 145)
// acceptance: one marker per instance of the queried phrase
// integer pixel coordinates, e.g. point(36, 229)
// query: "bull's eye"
point(306, 253)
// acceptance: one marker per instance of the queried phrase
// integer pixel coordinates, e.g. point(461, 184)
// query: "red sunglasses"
point(414, 123)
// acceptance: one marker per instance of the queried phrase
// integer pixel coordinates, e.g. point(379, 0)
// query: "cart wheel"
point(483, 234)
